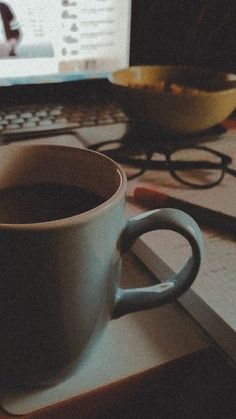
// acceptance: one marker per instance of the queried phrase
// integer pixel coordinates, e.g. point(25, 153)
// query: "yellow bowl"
point(178, 113)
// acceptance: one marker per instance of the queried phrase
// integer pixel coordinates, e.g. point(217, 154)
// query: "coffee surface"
point(42, 202)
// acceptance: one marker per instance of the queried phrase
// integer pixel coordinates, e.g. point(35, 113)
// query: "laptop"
point(55, 59)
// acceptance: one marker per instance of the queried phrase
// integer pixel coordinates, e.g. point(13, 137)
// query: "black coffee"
point(45, 202)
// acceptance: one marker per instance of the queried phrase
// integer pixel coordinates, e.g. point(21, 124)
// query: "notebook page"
point(211, 299)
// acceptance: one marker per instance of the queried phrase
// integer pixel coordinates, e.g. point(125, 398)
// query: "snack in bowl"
point(164, 86)
point(175, 99)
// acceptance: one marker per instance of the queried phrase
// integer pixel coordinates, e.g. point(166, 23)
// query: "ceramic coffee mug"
point(59, 278)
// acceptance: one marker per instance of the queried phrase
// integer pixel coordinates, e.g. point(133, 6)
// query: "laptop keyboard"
point(38, 120)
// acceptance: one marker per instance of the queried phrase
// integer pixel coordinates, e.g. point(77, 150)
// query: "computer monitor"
point(51, 41)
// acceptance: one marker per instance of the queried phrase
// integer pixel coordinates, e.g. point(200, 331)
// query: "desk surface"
point(130, 346)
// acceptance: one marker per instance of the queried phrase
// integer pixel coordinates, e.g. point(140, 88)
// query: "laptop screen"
point(49, 41)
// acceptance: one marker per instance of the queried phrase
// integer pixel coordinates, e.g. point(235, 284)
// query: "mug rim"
point(77, 218)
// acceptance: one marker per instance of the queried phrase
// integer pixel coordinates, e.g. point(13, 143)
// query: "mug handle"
point(137, 299)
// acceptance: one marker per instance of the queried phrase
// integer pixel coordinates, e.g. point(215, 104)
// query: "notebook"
point(211, 299)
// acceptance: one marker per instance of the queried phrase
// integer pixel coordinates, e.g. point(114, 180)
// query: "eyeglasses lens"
point(198, 167)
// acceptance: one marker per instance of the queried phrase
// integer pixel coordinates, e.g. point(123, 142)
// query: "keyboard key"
point(10, 117)
point(41, 114)
point(55, 112)
point(46, 123)
point(13, 127)
point(26, 115)
point(29, 124)
point(19, 121)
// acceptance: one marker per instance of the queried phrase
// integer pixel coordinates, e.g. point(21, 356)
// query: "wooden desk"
point(199, 385)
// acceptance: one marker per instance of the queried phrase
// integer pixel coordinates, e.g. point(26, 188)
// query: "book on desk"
point(211, 299)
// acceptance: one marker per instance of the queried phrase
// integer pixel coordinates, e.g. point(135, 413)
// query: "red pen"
point(152, 198)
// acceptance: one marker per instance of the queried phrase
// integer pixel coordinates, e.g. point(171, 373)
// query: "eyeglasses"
point(198, 167)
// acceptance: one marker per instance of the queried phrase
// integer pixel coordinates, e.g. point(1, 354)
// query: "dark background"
point(199, 32)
